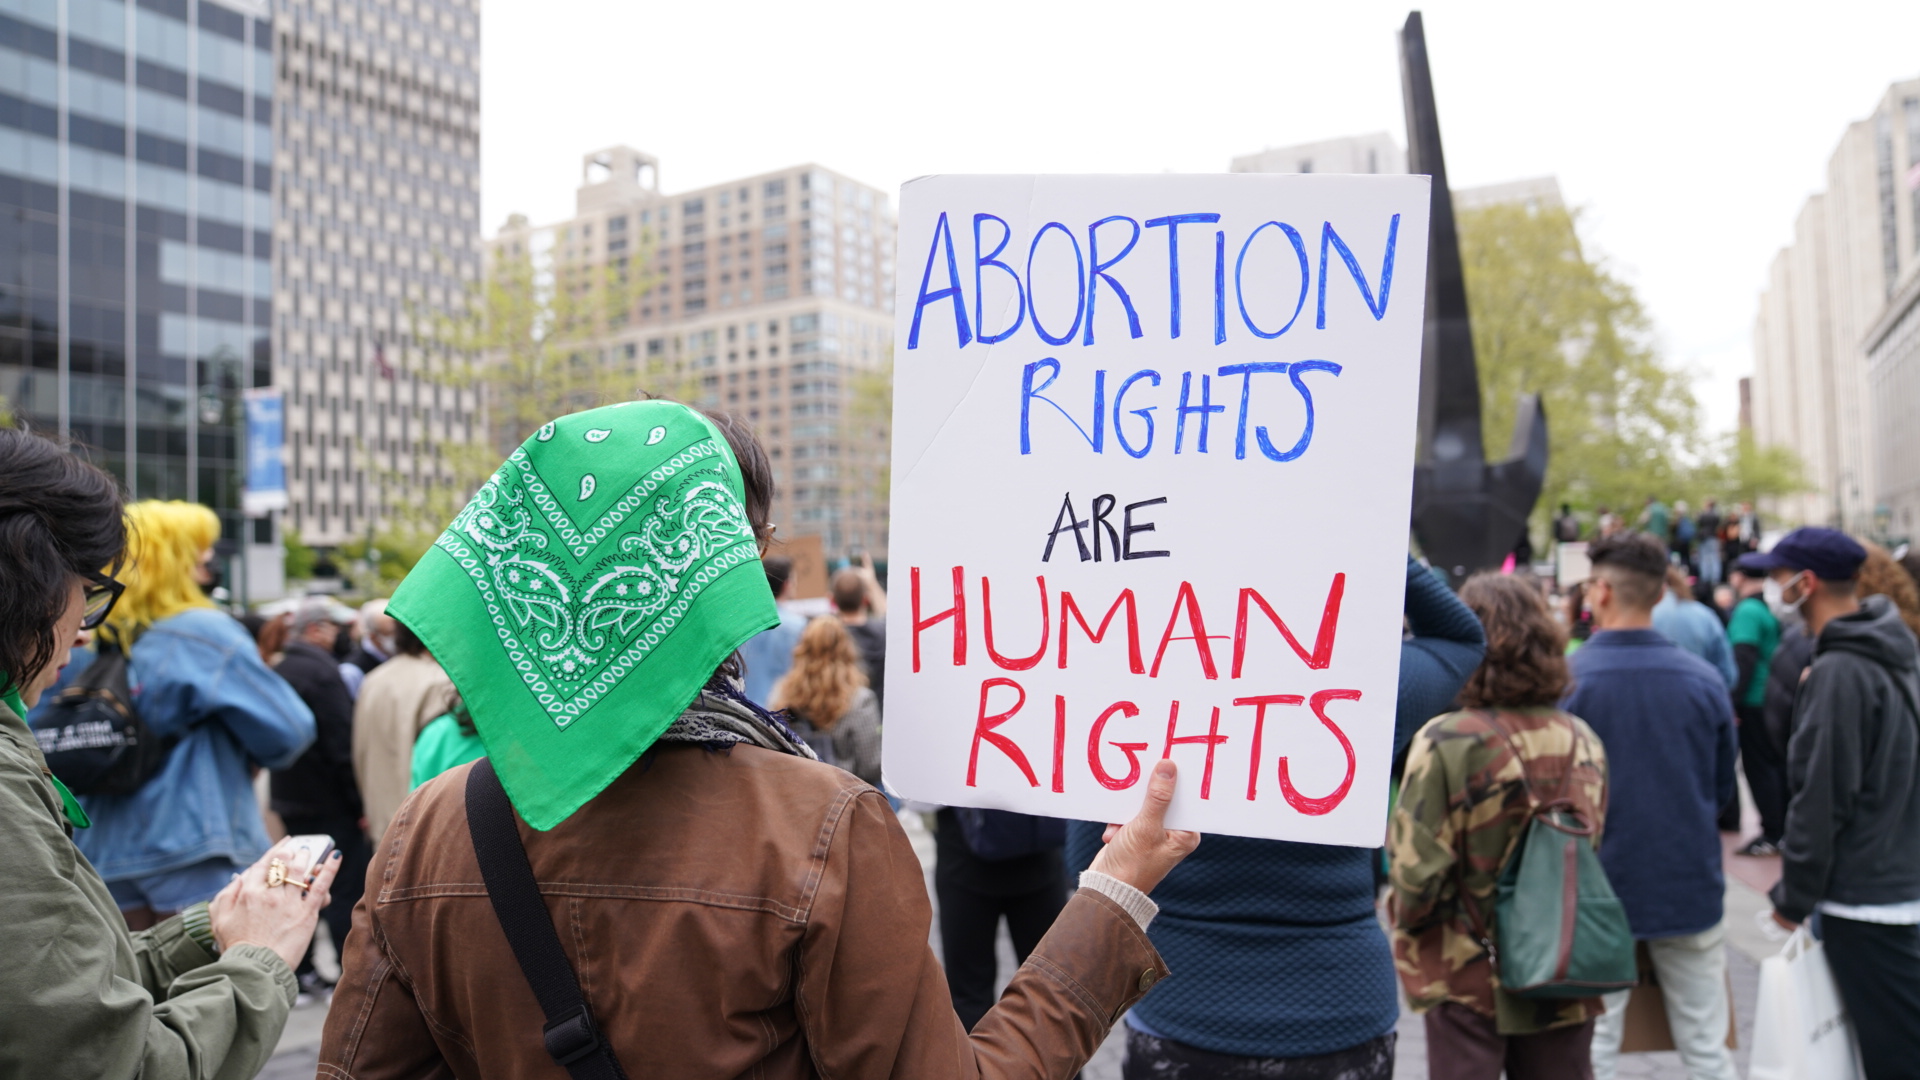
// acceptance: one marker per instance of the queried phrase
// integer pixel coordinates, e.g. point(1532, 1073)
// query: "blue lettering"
point(1079, 279)
point(1205, 410)
point(1030, 393)
point(941, 232)
point(1173, 223)
point(1328, 236)
point(1300, 250)
point(1306, 433)
point(1246, 373)
point(1100, 274)
point(991, 258)
point(1219, 288)
point(1146, 414)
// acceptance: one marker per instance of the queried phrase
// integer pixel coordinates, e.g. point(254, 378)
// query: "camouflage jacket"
point(1463, 806)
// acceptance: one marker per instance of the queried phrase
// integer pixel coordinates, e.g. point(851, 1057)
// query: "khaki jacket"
point(81, 997)
point(741, 914)
point(397, 699)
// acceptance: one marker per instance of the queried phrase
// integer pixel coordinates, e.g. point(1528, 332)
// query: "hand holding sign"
point(1144, 850)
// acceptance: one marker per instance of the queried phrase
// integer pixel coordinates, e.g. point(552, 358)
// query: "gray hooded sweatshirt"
point(1853, 826)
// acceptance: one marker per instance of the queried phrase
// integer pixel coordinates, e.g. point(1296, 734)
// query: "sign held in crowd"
point(1152, 453)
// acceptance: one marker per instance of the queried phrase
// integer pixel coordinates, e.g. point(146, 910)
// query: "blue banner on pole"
point(266, 487)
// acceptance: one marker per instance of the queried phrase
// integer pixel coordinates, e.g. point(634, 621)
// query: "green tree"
point(1742, 470)
point(1622, 423)
point(389, 556)
point(297, 559)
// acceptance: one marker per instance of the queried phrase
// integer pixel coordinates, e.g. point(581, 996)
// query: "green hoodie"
point(79, 995)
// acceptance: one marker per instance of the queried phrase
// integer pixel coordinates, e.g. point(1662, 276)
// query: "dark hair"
point(406, 642)
point(1639, 565)
point(849, 591)
point(779, 568)
point(59, 517)
point(1526, 662)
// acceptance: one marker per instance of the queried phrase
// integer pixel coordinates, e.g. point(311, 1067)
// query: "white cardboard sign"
point(1152, 457)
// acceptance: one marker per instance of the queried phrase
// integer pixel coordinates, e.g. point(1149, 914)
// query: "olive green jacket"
point(79, 995)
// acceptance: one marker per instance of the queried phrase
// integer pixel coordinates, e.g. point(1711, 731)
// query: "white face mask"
point(1775, 595)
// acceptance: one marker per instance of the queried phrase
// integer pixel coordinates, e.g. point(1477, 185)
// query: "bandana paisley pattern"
point(573, 625)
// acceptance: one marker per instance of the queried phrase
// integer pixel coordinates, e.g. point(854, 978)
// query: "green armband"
point(198, 923)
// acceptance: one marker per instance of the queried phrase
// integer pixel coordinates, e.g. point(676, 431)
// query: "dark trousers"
point(1463, 1045)
point(1877, 969)
point(1766, 771)
point(355, 853)
point(969, 922)
point(1150, 1057)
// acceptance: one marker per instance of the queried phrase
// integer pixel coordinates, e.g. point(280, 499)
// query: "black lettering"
point(1065, 522)
point(1102, 506)
point(1128, 528)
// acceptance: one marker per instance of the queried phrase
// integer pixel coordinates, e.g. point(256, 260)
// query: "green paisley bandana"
point(587, 592)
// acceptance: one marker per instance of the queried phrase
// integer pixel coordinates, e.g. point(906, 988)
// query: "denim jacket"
point(196, 675)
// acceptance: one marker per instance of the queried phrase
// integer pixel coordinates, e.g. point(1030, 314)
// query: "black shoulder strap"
point(571, 1035)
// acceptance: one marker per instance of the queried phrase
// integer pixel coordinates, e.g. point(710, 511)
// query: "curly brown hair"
point(825, 676)
point(1526, 662)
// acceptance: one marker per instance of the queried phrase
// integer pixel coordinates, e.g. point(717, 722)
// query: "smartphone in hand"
point(304, 856)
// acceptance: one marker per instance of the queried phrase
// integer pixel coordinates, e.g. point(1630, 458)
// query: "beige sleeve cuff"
point(1131, 900)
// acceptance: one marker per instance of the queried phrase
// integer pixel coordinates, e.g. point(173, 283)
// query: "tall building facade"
point(136, 154)
point(1853, 246)
point(769, 296)
point(377, 236)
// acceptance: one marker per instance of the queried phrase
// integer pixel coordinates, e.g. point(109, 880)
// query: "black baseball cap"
point(1831, 554)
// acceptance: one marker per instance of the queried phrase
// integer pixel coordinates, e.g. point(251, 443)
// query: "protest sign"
point(1153, 448)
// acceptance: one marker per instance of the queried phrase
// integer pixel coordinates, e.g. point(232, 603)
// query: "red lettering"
point(958, 613)
point(1131, 749)
point(1185, 601)
point(1059, 743)
point(983, 730)
point(1210, 740)
point(1260, 704)
point(1316, 807)
point(1322, 653)
point(1014, 663)
point(1068, 607)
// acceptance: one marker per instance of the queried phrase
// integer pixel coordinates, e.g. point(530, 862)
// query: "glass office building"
point(136, 151)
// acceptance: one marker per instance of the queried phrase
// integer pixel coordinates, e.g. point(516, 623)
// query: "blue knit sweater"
point(1274, 947)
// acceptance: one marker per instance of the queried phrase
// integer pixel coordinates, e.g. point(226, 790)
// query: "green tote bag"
point(1558, 930)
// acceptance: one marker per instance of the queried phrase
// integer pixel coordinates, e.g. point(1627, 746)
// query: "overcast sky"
point(1688, 133)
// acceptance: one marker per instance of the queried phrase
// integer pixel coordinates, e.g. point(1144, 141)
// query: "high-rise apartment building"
point(1893, 341)
point(377, 236)
point(769, 296)
point(136, 157)
point(1853, 245)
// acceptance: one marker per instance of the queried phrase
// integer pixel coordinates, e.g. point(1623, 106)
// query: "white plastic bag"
point(1801, 1031)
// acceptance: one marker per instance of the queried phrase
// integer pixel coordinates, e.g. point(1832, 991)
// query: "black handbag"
point(92, 735)
point(572, 1038)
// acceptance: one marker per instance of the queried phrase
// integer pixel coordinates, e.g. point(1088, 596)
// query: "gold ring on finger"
point(276, 873)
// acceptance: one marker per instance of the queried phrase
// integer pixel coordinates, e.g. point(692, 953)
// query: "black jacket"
point(363, 659)
point(321, 783)
point(1783, 684)
point(1853, 827)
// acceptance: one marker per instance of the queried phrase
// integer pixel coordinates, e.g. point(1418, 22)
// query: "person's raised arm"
point(876, 594)
point(1446, 645)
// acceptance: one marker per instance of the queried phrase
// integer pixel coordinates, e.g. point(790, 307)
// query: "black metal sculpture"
point(1468, 515)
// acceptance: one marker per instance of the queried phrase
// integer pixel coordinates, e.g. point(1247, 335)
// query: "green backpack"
point(1559, 931)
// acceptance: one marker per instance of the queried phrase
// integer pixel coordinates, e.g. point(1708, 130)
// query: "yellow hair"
point(164, 543)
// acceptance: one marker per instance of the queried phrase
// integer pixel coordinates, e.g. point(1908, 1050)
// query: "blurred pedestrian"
point(1667, 722)
point(448, 741)
point(769, 653)
point(271, 642)
point(1683, 534)
point(826, 696)
point(398, 699)
point(1656, 521)
point(1606, 523)
point(375, 645)
point(862, 607)
point(1689, 624)
point(1706, 531)
point(1851, 851)
point(1566, 525)
point(318, 794)
point(1284, 966)
point(1754, 633)
point(731, 906)
point(199, 679)
point(1472, 782)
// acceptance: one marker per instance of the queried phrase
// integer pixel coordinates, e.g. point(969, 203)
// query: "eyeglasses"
point(102, 593)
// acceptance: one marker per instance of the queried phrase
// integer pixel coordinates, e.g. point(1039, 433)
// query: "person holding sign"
point(671, 880)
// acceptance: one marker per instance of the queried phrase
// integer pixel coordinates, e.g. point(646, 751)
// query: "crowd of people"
point(724, 830)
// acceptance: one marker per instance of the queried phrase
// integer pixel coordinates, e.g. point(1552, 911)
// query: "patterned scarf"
point(723, 717)
point(586, 594)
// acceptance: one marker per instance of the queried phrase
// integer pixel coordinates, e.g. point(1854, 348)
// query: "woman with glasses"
point(198, 678)
point(203, 995)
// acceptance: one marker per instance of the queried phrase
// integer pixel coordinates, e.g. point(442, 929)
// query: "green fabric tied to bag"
point(1559, 929)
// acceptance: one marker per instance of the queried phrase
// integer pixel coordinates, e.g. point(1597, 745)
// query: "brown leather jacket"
point(746, 914)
